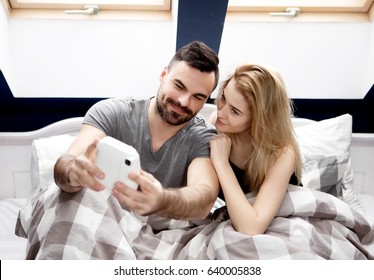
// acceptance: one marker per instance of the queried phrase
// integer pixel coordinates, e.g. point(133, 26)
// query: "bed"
point(330, 217)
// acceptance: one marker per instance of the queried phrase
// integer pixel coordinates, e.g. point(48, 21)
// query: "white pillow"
point(326, 137)
point(327, 143)
point(44, 154)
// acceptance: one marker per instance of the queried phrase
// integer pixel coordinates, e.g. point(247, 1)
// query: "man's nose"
point(184, 100)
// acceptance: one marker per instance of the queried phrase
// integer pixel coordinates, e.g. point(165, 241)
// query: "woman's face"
point(233, 111)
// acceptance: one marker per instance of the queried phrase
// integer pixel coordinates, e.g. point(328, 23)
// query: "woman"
point(256, 150)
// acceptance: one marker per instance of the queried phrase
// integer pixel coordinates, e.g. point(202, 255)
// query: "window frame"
point(143, 5)
point(238, 10)
point(128, 10)
point(310, 10)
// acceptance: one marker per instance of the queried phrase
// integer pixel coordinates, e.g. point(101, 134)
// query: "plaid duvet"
point(90, 225)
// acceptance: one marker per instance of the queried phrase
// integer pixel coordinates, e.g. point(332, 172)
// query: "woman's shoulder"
point(286, 156)
point(212, 118)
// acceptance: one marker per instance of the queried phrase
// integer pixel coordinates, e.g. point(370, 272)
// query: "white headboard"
point(15, 156)
point(16, 147)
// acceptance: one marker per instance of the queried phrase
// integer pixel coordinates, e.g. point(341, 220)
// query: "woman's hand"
point(220, 148)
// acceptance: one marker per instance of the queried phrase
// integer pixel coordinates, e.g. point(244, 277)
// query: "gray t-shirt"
point(127, 120)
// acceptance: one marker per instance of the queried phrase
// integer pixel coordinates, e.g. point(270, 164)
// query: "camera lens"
point(127, 162)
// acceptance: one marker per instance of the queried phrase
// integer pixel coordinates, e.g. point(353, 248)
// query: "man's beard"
point(172, 117)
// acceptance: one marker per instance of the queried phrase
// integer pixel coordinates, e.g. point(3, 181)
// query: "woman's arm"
point(247, 218)
point(255, 219)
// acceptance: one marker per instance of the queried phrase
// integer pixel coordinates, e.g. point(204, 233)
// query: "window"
point(151, 9)
point(309, 9)
point(105, 4)
point(344, 10)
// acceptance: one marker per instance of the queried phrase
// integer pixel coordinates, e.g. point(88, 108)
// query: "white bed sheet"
point(367, 201)
point(12, 247)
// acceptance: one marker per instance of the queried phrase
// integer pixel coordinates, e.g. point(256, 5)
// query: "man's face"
point(183, 92)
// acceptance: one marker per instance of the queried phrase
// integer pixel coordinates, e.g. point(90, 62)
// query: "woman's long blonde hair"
point(271, 127)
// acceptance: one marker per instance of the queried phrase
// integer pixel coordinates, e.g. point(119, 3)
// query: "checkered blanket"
point(89, 225)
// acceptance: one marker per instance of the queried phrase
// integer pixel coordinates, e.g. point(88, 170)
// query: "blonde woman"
point(255, 150)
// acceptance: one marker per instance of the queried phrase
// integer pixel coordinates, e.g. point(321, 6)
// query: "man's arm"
point(76, 168)
point(196, 199)
point(193, 201)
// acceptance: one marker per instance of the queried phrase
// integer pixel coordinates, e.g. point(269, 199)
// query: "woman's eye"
point(234, 112)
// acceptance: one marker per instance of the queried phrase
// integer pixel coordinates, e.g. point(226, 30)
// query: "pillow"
point(44, 154)
point(325, 173)
point(324, 147)
point(326, 137)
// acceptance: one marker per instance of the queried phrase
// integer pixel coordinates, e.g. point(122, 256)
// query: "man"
point(178, 180)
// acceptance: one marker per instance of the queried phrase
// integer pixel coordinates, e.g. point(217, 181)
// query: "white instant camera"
point(117, 159)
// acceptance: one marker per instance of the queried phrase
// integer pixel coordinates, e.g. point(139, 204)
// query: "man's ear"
point(163, 73)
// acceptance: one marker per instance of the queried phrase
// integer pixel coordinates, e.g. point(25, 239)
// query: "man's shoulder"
point(125, 100)
point(122, 103)
point(200, 126)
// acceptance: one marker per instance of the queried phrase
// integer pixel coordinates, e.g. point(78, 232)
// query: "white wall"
point(4, 42)
point(3, 32)
point(317, 60)
point(370, 60)
point(114, 58)
point(81, 58)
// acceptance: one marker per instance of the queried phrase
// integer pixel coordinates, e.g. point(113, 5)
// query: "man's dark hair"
point(198, 55)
